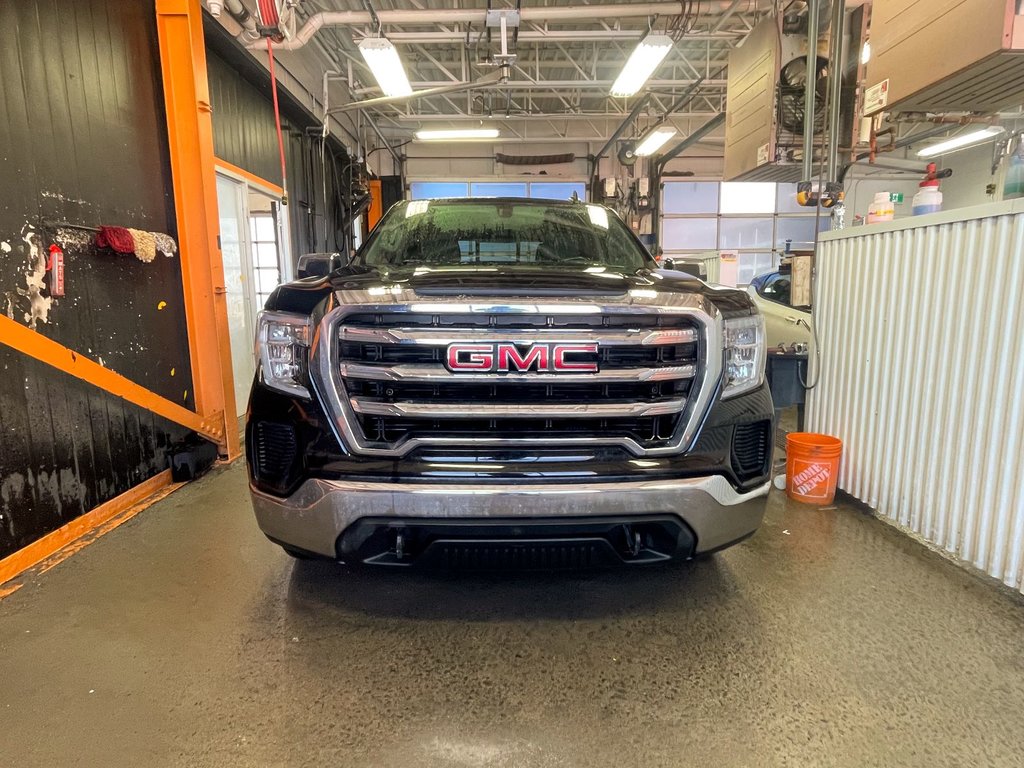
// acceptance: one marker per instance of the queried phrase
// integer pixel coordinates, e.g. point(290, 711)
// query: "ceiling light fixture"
point(457, 134)
point(381, 57)
point(963, 141)
point(654, 140)
point(640, 65)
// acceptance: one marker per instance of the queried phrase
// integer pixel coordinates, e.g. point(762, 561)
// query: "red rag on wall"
point(116, 238)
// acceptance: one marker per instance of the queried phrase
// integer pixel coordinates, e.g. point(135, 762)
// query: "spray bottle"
point(929, 198)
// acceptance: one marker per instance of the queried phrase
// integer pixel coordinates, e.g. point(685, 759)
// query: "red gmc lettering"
point(561, 364)
point(509, 358)
point(506, 357)
point(471, 357)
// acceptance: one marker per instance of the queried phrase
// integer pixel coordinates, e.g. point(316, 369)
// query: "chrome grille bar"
point(445, 336)
point(441, 375)
point(515, 410)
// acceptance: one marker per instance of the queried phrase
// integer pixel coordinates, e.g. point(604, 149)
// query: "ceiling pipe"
point(617, 133)
point(810, 93)
point(241, 15)
point(534, 85)
point(557, 36)
point(688, 142)
point(836, 67)
point(900, 144)
point(434, 17)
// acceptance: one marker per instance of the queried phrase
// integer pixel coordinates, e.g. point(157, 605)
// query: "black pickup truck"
point(504, 382)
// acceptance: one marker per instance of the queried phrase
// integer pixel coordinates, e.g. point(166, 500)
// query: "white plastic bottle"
point(929, 198)
point(881, 209)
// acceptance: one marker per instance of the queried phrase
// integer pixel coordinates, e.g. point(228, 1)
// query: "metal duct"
point(921, 377)
point(567, 157)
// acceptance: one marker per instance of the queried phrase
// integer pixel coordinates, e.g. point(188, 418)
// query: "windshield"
point(439, 234)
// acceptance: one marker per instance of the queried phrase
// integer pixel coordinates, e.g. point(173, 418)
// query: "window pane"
point(497, 189)
point(798, 229)
point(787, 200)
point(689, 234)
point(266, 280)
point(266, 255)
point(690, 197)
point(429, 190)
point(748, 197)
point(558, 190)
point(746, 233)
point(263, 228)
point(753, 264)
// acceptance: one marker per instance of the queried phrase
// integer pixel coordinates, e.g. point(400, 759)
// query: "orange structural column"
point(190, 136)
point(373, 215)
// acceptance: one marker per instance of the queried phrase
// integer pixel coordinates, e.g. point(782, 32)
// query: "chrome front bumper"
point(315, 516)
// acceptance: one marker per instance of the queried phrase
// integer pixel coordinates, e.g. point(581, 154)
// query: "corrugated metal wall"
point(921, 331)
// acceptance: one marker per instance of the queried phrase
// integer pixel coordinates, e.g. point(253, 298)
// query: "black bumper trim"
point(521, 544)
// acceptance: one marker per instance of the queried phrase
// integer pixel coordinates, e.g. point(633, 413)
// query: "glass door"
point(266, 239)
point(234, 249)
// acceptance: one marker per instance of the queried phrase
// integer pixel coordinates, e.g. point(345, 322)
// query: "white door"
point(237, 280)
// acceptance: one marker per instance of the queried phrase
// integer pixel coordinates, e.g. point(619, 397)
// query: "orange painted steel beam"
point(234, 170)
point(376, 210)
point(40, 549)
point(28, 342)
point(190, 136)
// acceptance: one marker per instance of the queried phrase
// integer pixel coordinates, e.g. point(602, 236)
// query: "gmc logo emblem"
point(506, 357)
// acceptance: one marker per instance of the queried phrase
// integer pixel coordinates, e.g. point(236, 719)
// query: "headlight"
point(282, 344)
point(744, 355)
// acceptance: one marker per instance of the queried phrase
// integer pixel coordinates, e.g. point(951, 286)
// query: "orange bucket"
point(812, 467)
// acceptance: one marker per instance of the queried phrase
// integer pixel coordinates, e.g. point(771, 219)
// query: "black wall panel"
point(67, 447)
point(83, 140)
point(244, 134)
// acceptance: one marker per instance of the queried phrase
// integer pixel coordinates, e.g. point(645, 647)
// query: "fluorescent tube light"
point(962, 141)
point(640, 65)
point(382, 58)
point(654, 140)
point(457, 134)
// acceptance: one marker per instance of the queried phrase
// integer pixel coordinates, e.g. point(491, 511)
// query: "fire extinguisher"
point(55, 267)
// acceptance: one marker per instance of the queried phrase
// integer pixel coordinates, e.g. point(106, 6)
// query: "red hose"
point(277, 121)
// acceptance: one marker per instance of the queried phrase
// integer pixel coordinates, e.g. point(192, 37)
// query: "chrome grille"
point(393, 390)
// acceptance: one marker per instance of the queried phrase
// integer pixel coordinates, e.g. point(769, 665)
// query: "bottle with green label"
point(1013, 187)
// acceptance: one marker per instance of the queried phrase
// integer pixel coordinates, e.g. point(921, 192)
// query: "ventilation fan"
point(792, 95)
point(627, 154)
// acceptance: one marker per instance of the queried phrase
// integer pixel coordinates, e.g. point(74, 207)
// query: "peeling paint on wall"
point(28, 302)
point(35, 280)
point(5, 249)
point(70, 238)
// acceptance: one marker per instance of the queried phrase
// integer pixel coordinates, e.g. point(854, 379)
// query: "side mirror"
point(318, 264)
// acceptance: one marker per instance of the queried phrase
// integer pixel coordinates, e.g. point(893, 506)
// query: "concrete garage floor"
point(183, 638)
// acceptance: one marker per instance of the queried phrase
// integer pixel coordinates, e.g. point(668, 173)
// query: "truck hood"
point(498, 281)
point(505, 281)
